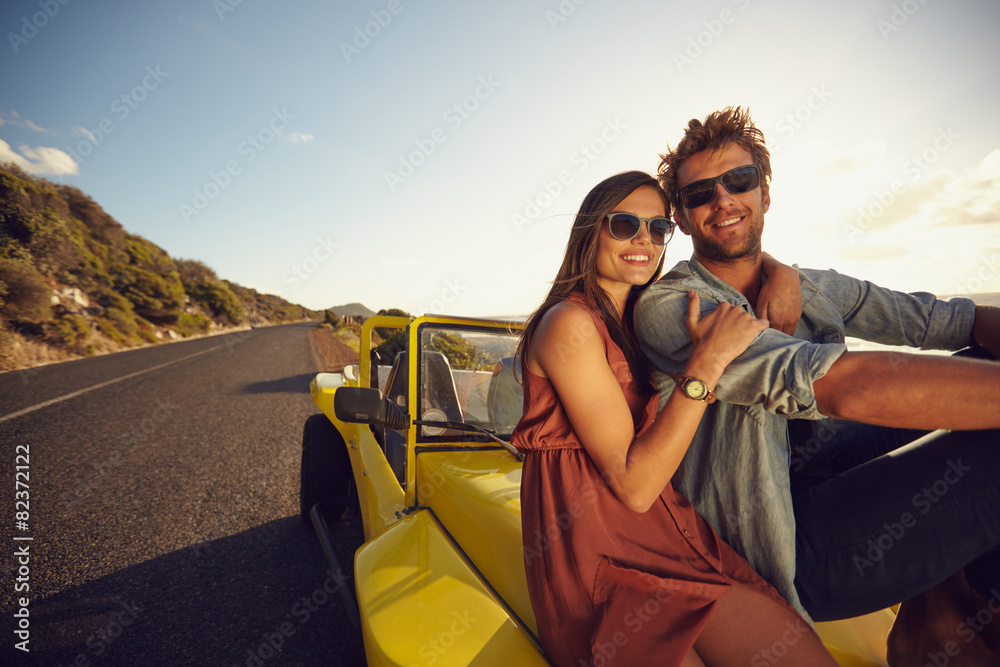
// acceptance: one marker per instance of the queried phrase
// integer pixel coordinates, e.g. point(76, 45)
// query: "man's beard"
point(713, 250)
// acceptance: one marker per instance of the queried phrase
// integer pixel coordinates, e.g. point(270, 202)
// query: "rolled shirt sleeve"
point(873, 313)
point(776, 371)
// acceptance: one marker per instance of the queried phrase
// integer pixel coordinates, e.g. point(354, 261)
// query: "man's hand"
point(719, 337)
point(780, 298)
point(986, 329)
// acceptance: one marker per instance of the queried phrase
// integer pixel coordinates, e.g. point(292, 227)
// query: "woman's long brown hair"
point(578, 273)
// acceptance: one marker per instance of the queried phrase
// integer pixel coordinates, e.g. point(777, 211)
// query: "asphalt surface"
point(163, 510)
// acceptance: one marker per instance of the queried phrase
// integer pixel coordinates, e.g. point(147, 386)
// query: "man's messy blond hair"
point(719, 130)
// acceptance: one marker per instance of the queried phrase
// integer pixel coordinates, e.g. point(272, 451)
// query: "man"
point(837, 525)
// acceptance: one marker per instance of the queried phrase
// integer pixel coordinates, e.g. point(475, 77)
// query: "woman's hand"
point(780, 298)
point(720, 336)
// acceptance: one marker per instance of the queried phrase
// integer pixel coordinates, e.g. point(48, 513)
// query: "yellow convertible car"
point(417, 447)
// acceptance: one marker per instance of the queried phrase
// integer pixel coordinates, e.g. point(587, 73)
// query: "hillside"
point(73, 282)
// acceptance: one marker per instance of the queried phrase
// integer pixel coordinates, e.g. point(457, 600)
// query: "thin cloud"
point(939, 199)
point(14, 119)
point(297, 137)
point(969, 198)
point(38, 160)
point(85, 133)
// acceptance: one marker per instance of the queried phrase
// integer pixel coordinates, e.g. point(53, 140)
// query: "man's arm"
point(889, 317)
point(776, 371)
point(911, 391)
point(986, 329)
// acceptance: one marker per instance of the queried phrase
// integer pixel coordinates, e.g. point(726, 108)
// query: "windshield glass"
point(467, 375)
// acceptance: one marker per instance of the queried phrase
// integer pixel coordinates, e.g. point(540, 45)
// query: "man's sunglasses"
point(624, 226)
point(735, 181)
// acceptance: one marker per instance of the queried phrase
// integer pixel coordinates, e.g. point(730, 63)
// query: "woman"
point(620, 568)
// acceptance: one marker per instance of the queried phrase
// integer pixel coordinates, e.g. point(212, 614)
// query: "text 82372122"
point(22, 554)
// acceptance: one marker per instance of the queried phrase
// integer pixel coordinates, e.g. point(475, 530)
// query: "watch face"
point(696, 389)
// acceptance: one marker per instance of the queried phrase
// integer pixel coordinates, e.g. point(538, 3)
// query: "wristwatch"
point(693, 388)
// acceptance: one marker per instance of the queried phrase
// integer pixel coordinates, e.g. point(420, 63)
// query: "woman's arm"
point(569, 351)
point(780, 298)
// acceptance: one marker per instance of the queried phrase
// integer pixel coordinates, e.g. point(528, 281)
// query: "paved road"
point(164, 509)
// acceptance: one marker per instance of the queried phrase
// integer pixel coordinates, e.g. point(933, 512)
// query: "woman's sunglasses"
point(624, 226)
point(735, 181)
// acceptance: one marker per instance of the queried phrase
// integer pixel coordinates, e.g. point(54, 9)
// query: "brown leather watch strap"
point(682, 381)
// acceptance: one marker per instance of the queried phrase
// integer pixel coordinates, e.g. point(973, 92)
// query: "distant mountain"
point(353, 310)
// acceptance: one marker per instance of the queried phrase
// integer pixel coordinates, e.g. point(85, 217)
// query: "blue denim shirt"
point(736, 471)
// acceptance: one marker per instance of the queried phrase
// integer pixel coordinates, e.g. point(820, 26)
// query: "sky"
point(430, 156)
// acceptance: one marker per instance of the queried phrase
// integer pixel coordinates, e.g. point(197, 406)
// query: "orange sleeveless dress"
point(609, 585)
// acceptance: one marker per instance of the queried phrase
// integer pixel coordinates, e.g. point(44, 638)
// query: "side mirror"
point(366, 405)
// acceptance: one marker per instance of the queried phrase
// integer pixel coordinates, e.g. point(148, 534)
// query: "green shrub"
point(391, 312)
point(157, 298)
point(109, 329)
point(68, 331)
point(192, 272)
point(24, 295)
point(218, 299)
point(461, 353)
point(333, 319)
point(123, 321)
point(146, 331)
point(189, 324)
point(391, 346)
point(110, 298)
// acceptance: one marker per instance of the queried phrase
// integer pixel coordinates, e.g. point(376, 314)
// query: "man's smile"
point(728, 221)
